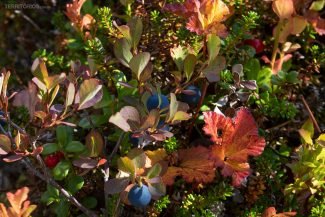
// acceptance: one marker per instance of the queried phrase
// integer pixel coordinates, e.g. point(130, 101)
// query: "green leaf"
point(136, 28)
point(252, 69)
point(292, 77)
point(307, 132)
point(50, 148)
point(61, 170)
point(212, 71)
point(62, 208)
point(189, 65)
point(75, 184)
point(54, 80)
point(39, 69)
point(213, 46)
point(178, 54)
point(139, 62)
point(94, 143)
point(125, 164)
point(122, 51)
point(154, 171)
point(90, 93)
point(106, 101)
point(96, 120)
point(74, 146)
point(89, 202)
point(5, 144)
point(317, 5)
point(64, 135)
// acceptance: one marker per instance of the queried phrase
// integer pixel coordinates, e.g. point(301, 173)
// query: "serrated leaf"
point(194, 165)
point(235, 140)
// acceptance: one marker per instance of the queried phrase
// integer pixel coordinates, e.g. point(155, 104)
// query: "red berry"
point(59, 154)
point(51, 160)
point(257, 44)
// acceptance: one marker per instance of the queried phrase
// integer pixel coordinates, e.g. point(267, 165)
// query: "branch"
point(63, 192)
point(311, 114)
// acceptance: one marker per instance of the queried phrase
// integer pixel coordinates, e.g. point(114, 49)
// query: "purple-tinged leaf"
point(85, 163)
point(122, 118)
point(90, 93)
point(115, 186)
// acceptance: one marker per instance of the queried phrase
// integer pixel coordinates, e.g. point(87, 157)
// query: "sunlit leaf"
point(235, 140)
point(307, 132)
point(213, 45)
point(139, 62)
point(122, 51)
point(5, 144)
point(94, 143)
point(90, 92)
point(126, 116)
point(204, 16)
point(194, 165)
point(189, 65)
point(283, 8)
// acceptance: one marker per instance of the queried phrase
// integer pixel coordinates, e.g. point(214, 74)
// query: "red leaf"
point(194, 166)
point(235, 140)
point(204, 16)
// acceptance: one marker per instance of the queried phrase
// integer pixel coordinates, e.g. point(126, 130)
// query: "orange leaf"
point(194, 166)
point(204, 16)
point(283, 8)
point(235, 139)
point(271, 212)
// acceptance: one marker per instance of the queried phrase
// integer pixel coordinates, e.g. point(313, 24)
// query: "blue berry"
point(153, 102)
point(192, 99)
point(134, 140)
point(139, 196)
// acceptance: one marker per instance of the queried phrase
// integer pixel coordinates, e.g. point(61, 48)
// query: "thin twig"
point(311, 114)
point(197, 112)
point(115, 148)
point(63, 192)
point(279, 125)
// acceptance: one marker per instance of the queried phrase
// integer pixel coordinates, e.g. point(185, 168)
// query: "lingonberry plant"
point(164, 108)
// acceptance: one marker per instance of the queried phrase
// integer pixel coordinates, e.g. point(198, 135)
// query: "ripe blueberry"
point(153, 102)
point(139, 196)
point(193, 98)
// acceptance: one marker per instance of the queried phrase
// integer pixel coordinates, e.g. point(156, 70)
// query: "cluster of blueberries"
point(153, 101)
point(139, 195)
